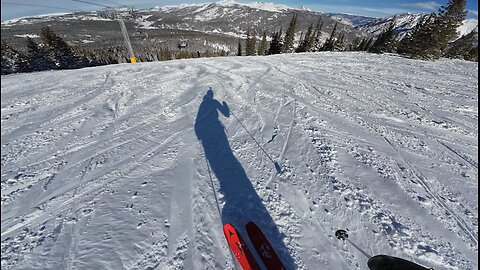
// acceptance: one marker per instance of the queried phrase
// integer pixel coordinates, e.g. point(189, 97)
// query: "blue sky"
point(375, 8)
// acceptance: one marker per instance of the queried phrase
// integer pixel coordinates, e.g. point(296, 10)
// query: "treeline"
point(53, 53)
point(429, 40)
point(115, 52)
point(310, 41)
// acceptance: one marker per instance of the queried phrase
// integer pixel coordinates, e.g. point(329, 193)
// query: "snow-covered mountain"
point(218, 24)
point(406, 22)
point(467, 27)
point(217, 17)
point(132, 166)
point(354, 20)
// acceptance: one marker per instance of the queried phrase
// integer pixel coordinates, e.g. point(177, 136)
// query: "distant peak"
point(269, 6)
point(304, 8)
point(226, 3)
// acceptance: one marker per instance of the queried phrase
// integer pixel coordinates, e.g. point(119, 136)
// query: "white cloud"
point(473, 12)
point(432, 5)
point(358, 10)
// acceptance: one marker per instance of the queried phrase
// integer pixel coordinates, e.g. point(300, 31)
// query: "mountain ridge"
point(217, 26)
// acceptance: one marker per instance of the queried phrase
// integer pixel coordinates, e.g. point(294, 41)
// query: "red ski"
point(239, 248)
point(263, 247)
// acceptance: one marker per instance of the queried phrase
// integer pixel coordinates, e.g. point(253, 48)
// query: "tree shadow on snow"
point(241, 202)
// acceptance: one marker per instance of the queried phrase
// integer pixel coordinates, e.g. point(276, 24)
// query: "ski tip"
point(278, 167)
point(227, 226)
point(341, 234)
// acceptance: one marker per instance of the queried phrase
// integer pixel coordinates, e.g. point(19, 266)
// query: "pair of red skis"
point(262, 246)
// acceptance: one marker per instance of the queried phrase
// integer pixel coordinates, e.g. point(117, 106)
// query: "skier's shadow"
point(241, 202)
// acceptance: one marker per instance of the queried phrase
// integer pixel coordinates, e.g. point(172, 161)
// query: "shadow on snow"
point(241, 202)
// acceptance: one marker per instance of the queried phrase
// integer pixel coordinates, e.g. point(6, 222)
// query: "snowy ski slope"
point(112, 167)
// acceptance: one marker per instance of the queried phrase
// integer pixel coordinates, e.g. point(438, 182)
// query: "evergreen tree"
point(317, 46)
point(239, 52)
point(290, 35)
point(339, 45)
point(332, 40)
point(354, 45)
point(385, 41)
point(365, 44)
point(430, 39)
point(306, 42)
point(91, 59)
point(464, 47)
point(262, 47)
point(165, 54)
point(247, 43)
point(61, 52)
point(38, 58)
point(417, 42)
point(12, 60)
point(368, 44)
point(300, 43)
point(250, 44)
point(361, 45)
point(450, 18)
point(276, 44)
point(472, 54)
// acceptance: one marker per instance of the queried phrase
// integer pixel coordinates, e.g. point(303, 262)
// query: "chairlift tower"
point(115, 13)
point(126, 38)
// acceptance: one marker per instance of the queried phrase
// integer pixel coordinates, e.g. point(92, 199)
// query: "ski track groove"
point(461, 223)
point(88, 194)
point(83, 100)
point(98, 154)
point(101, 95)
point(472, 163)
point(295, 97)
point(347, 117)
point(314, 216)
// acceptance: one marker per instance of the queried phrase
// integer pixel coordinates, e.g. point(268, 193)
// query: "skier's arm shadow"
point(241, 202)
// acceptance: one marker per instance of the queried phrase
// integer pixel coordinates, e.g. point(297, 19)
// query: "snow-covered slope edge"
point(102, 168)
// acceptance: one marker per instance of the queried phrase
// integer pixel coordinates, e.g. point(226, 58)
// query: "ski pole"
point(235, 264)
point(382, 262)
point(277, 166)
point(342, 235)
point(213, 188)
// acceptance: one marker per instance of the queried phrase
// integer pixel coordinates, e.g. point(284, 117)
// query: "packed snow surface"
point(136, 166)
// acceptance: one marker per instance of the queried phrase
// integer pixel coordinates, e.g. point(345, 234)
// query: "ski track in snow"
point(101, 167)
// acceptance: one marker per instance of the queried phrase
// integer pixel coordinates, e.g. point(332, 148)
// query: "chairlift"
point(182, 43)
